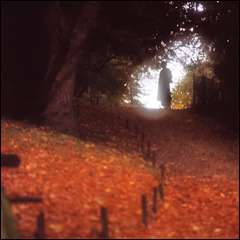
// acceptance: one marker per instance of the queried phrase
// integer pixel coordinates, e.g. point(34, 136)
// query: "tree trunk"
point(65, 50)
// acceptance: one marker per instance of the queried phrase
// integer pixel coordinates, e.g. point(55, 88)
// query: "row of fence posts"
point(142, 144)
point(40, 233)
point(104, 218)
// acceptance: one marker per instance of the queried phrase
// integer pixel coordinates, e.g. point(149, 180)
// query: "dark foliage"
point(128, 32)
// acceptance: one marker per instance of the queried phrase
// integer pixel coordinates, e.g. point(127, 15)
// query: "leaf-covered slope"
point(107, 168)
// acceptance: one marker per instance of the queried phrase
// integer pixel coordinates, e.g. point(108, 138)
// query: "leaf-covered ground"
point(108, 167)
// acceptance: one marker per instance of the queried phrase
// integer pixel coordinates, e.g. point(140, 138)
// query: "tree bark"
point(65, 50)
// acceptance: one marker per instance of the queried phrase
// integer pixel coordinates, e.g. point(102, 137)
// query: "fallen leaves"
point(72, 181)
point(76, 178)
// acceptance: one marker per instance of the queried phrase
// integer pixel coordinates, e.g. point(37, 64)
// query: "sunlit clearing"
point(148, 90)
point(193, 5)
point(149, 84)
point(184, 54)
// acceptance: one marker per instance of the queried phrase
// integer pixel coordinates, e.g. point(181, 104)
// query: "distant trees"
point(56, 50)
point(182, 94)
point(126, 36)
point(199, 86)
point(220, 36)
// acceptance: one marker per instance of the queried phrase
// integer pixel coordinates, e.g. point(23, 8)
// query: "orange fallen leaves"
point(75, 178)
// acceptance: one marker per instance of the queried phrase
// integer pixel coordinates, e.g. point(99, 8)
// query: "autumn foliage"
point(75, 178)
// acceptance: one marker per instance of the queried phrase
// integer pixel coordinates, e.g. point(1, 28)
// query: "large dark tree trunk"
point(65, 49)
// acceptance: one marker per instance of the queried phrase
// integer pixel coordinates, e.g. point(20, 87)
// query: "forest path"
point(188, 143)
point(107, 167)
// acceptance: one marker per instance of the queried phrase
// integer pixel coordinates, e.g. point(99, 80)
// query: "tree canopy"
point(123, 36)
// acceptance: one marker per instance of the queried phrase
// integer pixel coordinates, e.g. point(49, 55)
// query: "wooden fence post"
point(162, 171)
point(104, 223)
point(155, 199)
point(40, 233)
point(153, 160)
point(161, 192)
point(148, 152)
point(144, 209)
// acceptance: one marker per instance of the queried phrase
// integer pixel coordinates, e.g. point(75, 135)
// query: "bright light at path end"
point(188, 53)
point(149, 90)
point(149, 85)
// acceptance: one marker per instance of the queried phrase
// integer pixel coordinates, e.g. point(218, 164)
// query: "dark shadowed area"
point(46, 47)
point(81, 156)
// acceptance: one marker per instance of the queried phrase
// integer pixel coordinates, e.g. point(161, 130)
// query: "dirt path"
point(76, 178)
point(202, 168)
point(189, 143)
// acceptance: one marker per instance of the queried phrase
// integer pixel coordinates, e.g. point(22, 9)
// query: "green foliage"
point(182, 93)
point(128, 34)
point(8, 223)
point(125, 34)
point(104, 73)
